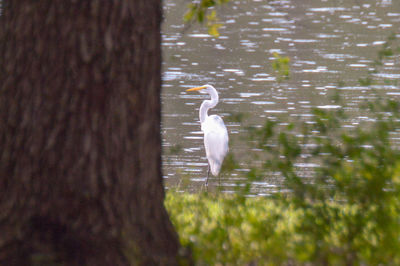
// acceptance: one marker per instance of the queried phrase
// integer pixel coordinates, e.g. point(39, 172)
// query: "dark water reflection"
point(328, 42)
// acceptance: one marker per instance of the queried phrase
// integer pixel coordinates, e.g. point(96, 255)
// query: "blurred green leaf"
point(281, 67)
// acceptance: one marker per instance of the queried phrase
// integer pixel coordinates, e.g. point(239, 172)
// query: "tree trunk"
point(80, 146)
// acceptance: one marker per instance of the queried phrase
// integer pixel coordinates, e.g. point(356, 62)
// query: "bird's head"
point(203, 89)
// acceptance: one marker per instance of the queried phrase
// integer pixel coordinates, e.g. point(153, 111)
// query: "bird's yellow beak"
point(197, 88)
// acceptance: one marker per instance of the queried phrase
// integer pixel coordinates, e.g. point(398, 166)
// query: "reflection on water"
point(328, 42)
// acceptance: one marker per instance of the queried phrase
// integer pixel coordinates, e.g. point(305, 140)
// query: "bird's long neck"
point(208, 104)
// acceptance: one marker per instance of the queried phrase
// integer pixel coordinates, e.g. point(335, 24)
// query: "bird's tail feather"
point(215, 167)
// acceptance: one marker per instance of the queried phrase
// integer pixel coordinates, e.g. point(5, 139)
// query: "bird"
point(215, 133)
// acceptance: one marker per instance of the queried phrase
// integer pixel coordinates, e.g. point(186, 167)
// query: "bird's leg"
point(208, 174)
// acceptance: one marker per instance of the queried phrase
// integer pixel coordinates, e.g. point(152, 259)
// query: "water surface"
point(329, 42)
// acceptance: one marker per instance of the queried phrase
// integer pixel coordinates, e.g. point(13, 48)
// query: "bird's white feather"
point(215, 142)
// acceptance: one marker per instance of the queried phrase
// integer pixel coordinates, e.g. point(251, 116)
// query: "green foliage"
point(346, 213)
point(212, 26)
point(237, 117)
point(203, 12)
point(351, 204)
point(386, 53)
point(229, 163)
point(281, 67)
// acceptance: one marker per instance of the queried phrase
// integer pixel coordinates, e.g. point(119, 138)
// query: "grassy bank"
point(233, 230)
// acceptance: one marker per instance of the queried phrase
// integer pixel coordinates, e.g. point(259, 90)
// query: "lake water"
point(329, 42)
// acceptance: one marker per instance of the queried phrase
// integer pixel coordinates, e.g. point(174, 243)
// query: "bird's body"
point(215, 142)
point(215, 133)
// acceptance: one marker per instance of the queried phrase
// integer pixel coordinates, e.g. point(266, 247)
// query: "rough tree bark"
point(80, 148)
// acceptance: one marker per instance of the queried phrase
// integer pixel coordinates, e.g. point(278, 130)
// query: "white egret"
point(214, 129)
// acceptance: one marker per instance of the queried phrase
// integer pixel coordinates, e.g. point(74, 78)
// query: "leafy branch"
point(203, 12)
